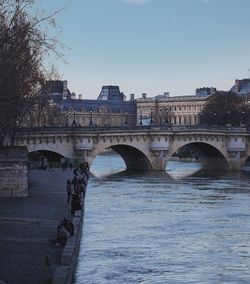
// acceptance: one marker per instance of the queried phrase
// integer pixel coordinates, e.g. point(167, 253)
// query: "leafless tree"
point(24, 42)
point(225, 108)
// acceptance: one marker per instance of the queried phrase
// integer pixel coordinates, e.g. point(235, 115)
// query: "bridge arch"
point(134, 158)
point(64, 149)
point(209, 155)
point(245, 161)
point(46, 153)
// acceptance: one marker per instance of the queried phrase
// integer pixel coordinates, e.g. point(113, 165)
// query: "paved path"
point(26, 225)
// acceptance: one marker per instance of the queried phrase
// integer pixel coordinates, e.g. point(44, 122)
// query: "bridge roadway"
point(143, 147)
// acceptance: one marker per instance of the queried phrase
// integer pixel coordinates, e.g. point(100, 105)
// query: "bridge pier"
point(158, 160)
point(234, 159)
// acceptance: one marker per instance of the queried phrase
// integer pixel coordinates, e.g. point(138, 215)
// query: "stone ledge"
point(61, 275)
point(65, 272)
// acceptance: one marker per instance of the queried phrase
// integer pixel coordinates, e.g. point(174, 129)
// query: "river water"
point(181, 226)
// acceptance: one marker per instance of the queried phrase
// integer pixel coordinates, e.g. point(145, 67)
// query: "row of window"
point(172, 108)
point(93, 110)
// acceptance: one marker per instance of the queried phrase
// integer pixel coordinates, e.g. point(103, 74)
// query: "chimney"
point(144, 95)
point(80, 97)
point(132, 97)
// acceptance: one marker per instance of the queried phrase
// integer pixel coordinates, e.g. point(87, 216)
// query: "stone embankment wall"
point(64, 274)
point(13, 171)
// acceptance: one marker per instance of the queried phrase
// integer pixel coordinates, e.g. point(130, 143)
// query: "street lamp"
point(51, 118)
point(201, 118)
point(67, 119)
point(140, 118)
point(151, 116)
point(91, 116)
point(242, 118)
point(74, 119)
point(228, 117)
point(160, 120)
point(215, 118)
point(126, 118)
point(167, 116)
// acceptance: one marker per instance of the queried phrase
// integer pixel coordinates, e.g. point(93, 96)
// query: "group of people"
point(76, 187)
point(64, 166)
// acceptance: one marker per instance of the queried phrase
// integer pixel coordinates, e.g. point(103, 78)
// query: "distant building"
point(164, 110)
point(110, 109)
point(111, 93)
point(57, 90)
point(205, 91)
point(241, 87)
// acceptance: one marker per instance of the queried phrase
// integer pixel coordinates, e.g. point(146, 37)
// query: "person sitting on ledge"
point(68, 226)
point(62, 235)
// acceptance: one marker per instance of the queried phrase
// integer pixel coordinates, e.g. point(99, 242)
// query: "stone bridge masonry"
point(143, 148)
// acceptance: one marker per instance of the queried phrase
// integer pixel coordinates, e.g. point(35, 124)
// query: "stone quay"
point(27, 226)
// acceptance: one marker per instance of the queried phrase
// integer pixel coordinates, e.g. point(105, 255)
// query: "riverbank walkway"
point(27, 225)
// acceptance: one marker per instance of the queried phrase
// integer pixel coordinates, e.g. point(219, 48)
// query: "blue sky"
point(153, 46)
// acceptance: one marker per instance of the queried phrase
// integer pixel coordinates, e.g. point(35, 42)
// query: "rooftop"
point(111, 93)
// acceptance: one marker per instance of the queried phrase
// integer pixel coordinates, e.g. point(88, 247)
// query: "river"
point(182, 226)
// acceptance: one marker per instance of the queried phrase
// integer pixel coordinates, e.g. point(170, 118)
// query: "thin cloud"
point(135, 2)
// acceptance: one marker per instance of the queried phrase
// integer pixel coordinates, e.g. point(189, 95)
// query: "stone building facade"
point(177, 110)
point(109, 110)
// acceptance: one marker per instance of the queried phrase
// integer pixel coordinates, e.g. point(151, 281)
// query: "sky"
point(152, 46)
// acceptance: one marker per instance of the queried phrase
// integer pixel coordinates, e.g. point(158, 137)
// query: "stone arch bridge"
point(143, 148)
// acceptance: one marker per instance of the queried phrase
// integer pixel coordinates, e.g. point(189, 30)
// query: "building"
point(109, 110)
point(176, 110)
point(241, 87)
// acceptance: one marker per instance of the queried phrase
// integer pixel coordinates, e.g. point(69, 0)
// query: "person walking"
point(68, 190)
point(50, 166)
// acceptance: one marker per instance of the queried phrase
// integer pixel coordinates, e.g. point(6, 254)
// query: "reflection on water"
point(182, 226)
